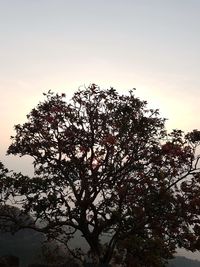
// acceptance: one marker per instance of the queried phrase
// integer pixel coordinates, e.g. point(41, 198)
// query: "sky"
point(150, 45)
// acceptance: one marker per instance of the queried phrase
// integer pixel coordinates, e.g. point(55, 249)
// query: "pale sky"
point(150, 45)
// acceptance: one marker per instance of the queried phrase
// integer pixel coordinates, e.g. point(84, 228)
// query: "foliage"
point(105, 165)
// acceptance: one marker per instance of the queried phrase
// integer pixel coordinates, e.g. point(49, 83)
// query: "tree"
point(105, 165)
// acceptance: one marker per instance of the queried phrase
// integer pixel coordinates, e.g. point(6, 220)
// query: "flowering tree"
point(105, 165)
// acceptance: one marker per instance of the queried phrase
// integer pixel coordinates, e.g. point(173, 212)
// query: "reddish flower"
point(109, 139)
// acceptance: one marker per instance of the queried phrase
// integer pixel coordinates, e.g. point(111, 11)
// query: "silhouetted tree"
point(105, 165)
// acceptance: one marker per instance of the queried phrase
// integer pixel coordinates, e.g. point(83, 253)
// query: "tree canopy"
point(105, 165)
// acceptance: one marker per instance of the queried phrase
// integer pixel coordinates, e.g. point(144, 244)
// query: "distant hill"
point(26, 244)
point(183, 262)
